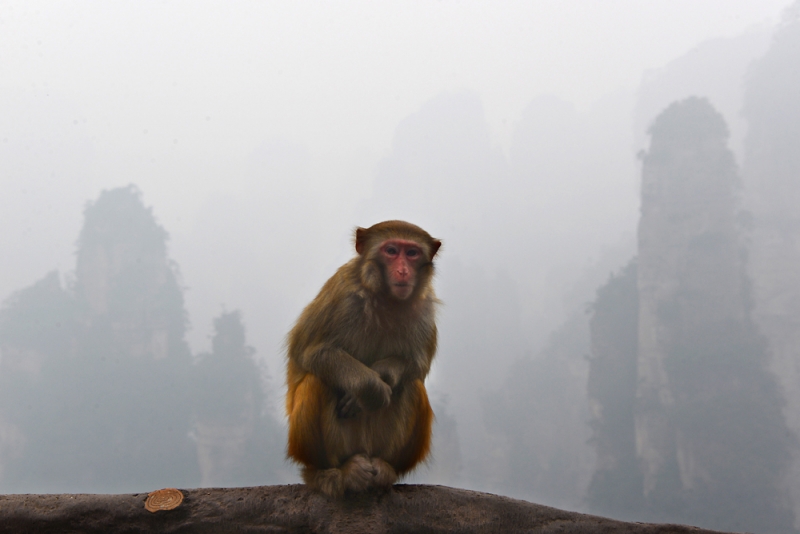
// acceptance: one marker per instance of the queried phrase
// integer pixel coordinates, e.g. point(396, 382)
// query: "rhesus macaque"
point(359, 415)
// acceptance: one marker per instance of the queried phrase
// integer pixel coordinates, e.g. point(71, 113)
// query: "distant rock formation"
point(616, 486)
point(688, 424)
point(98, 389)
point(433, 509)
point(97, 398)
point(689, 273)
point(237, 442)
point(771, 172)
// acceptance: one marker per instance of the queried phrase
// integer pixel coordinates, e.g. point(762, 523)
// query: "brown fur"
point(359, 415)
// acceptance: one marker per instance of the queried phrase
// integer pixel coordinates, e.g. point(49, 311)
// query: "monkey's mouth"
point(402, 290)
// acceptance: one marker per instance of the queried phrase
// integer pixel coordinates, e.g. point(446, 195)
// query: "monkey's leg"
point(416, 438)
point(358, 473)
point(327, 481)
point(319, 440)
point(306, 444)
point(305, 422)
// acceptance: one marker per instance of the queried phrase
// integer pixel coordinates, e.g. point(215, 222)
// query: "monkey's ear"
point(435, 247)
point(361, 239)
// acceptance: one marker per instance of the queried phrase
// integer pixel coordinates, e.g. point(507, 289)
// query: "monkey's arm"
point(419, 365)
point(361, 386)
point(391, 370)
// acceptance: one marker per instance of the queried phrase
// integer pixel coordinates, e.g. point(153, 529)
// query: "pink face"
point(402, 259)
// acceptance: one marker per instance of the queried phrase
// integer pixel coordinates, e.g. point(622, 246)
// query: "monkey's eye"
point(412, 253)
point(391, 250)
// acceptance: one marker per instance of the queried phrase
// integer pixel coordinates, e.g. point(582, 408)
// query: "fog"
point(259, 135)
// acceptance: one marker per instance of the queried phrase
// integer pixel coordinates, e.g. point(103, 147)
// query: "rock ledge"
point(406, 508)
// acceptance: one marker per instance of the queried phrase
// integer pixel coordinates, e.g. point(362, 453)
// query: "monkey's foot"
point(327, 481)
point(358, 473)
point(385, 475)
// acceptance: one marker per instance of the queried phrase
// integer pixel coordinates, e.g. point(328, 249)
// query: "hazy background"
point(262, 133)
point(255, 131)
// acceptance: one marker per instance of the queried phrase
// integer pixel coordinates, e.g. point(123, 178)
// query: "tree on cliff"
point(711, 443)
point(237, 438)
point(36, 332)
point(616, 486)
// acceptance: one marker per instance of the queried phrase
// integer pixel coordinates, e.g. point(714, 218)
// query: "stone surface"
point(406, 508)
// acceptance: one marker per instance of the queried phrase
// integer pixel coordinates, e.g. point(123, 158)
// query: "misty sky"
point(176, 97)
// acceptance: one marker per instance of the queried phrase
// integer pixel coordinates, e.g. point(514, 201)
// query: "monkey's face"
point(402, 260)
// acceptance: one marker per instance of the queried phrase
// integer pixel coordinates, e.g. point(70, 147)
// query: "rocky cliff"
point(433, 509)
point(771, 172)
point(709, 444)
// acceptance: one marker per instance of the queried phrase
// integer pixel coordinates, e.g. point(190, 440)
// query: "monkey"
point(357, 358)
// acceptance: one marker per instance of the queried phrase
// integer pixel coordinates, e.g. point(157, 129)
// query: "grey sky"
point(336, 76)
point(177, 97)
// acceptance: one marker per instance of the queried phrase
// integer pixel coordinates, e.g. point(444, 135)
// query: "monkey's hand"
point(390, 370)
point(375, 393)
point(347, 406)
point(372, 394)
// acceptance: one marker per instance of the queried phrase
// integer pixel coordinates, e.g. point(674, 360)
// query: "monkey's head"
point(396, 258)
